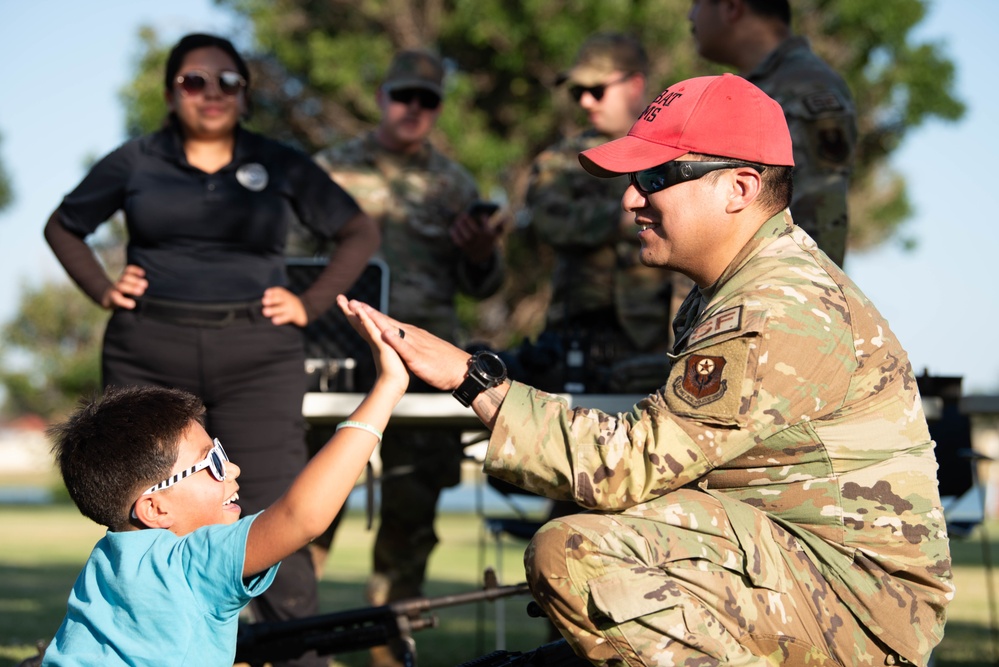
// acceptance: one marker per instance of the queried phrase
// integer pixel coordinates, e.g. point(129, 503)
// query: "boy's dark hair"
point(115, 446)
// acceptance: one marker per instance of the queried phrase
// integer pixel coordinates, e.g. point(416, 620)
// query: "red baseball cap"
point(713, 115)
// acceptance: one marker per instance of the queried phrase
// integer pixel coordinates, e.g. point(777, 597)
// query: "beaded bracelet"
point(361, 425)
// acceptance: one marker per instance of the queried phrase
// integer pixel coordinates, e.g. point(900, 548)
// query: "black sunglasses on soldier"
point(656, 179)
point(596, 91)
point(195, 82)
point(428, 99)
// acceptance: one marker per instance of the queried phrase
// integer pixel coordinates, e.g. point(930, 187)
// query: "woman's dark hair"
point(196, 41)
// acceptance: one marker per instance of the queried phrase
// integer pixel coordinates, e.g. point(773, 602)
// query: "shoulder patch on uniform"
point(702, 381)
point(823, 102)
point(726, 320)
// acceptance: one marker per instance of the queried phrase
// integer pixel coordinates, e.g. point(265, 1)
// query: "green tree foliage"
point(317, 63)
point(51, 350)
point(6, 193)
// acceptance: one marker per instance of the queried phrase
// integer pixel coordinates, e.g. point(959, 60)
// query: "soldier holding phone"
point(438, 239)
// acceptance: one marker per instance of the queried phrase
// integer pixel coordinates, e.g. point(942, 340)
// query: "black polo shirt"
point(208, 237)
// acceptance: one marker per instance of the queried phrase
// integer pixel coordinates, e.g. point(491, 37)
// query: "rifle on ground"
point(389, 625)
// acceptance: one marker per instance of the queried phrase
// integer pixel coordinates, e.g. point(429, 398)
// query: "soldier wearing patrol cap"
point(607, 307)
point(775, 501)
point(755, 37)
point(435, 246)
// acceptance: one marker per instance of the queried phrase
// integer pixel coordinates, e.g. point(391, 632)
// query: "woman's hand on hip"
point(283, 307)
point(130, 285)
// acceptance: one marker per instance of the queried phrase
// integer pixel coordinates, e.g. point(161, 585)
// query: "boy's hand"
point(387, 362)
point(435, 361)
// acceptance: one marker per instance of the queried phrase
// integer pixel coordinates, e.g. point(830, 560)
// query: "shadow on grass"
point(31, 598)
point(965, 645)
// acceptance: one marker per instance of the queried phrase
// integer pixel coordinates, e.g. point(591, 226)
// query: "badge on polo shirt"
point(252, 176)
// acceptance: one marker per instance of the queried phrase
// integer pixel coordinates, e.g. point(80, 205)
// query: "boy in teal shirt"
point(166, 584)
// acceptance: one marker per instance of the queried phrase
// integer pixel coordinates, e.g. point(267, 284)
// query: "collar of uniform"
point(777, 226)
point(377, 152)
point(168, 143)
point(773, 60)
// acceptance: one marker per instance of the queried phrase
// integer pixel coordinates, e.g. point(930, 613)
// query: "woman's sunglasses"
point(428, 99)
point(195, 82)
point(656, 179)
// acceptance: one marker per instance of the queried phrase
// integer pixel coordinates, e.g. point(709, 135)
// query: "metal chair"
point(337, 358)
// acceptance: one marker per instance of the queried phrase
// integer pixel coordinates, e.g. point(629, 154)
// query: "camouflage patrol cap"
point(603, 54)
point(415, 69)
point(722, 115)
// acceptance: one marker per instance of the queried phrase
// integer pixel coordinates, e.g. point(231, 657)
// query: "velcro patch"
point(729, 319)
point(702, 381)
point(823, 102)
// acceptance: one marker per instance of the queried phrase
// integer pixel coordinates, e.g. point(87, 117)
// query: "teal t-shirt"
point(149, 597)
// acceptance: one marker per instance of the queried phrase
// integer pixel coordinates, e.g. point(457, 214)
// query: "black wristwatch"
point(485, 370)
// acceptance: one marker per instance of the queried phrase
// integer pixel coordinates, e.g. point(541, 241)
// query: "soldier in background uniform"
point(775, 501)
point(434, 248)
point(754, 36)
point(606, 306)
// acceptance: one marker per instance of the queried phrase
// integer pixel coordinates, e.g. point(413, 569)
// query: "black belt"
point(199, 314)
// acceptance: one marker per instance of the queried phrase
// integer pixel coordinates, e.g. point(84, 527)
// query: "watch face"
point(491, 366)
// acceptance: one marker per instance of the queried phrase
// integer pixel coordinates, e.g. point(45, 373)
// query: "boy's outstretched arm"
point(308, 507)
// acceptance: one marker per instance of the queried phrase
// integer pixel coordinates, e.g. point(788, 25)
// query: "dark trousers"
point(250, 375)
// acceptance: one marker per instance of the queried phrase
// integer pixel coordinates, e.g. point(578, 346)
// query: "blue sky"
point(65, 62)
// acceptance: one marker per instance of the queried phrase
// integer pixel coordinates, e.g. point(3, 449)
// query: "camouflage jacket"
point(821, 117)
point(596, 245)
point(415, 199)
point(790, 393)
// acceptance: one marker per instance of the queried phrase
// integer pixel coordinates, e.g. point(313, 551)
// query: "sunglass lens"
point(649, 181)
point(217, 465)
point(230, 82)
point(217, 460)
point(192, 83)
point(428, 99)
point(596, 91)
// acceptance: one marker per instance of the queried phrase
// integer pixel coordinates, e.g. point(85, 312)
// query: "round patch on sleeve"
point(702, 381)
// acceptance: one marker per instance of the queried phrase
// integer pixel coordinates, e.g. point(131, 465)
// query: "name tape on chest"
point(727, 320)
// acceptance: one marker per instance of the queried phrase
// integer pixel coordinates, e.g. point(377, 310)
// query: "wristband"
point(361, 425)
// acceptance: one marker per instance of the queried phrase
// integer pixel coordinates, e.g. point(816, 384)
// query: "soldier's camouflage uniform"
point(821, 118)
point(415, 198)
point(598, 282)
point(776, 497)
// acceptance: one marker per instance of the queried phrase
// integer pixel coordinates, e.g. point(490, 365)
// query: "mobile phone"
point(483, 209)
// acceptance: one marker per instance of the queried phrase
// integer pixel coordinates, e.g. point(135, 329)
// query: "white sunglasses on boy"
point(215, 462)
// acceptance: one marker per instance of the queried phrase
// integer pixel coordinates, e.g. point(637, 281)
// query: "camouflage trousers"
point(692, 578)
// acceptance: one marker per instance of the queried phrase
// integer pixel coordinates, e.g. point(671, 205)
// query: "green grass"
point(42, 549)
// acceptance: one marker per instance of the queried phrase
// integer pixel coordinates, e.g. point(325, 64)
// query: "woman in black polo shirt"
point(202, 303)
